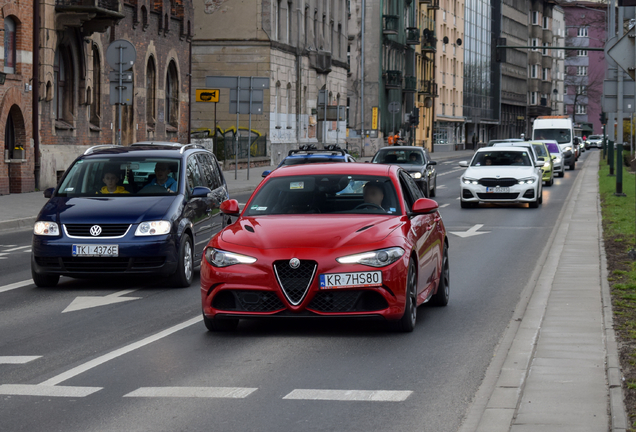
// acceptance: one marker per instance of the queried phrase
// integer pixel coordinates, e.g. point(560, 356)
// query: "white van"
point(559, 129)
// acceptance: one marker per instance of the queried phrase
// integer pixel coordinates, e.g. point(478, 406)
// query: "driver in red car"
point(373, 193)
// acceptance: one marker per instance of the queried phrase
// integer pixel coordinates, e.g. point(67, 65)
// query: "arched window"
point(63, 97)
point(9, 136)
point(9, 45)
point(151, 92)
point(144, 17)
point(172, 96)
point(96, 102)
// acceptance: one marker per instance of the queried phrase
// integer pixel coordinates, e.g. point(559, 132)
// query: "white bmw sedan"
point(501, 175)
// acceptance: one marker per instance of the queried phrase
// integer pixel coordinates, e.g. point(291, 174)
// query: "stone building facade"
point(74, 88)
point(300, 46)
point(17, 170)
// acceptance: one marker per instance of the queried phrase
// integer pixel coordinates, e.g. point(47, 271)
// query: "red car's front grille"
point(348, 301)
point(295, 281)
point(247, 301)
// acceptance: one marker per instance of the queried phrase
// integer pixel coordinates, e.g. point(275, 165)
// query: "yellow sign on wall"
point(207, 95)
point(374, 118)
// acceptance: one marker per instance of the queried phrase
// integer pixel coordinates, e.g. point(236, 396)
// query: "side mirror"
point(538, 163)
point(463, 164)
point(230, 207)
point(425, 206)
point(265, 173)
point(200, 192)
point(48, 193)
point(432, 162)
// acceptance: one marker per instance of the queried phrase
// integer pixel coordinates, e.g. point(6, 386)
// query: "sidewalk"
point(19, 211)
point(556, 367)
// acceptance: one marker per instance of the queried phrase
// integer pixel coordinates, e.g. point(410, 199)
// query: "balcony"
point(391, 24)
point(410, 84)
point(412, 36)
point(432, 4)
point(393, 79)
point(320, 61)
point(91, 15)
point(429, 41)
point(428, 88)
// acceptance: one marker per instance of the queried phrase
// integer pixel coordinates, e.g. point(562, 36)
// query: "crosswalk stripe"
point(45, 390)
point(349, 395)
point(17, 359)
point(196, 392)
point(17, 248)
point(15, 285)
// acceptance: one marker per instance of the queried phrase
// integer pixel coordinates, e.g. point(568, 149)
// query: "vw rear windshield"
point(121, 177)
point(562, 136)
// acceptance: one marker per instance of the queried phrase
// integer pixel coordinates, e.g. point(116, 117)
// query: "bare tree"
point(583, 87)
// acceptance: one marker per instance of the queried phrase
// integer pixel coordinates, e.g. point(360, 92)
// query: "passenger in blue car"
point(162, 173)
point(110, 179)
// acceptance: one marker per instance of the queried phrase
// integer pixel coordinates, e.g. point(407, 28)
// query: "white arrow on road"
point(85, 302)
point(471, 231)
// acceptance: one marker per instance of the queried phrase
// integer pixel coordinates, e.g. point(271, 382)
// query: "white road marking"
point(444, 205)
point(46, 390)
point(196, 392)
point(17, 359)
point(16, 285)
point(451, 171)
point(17, 248)
point(470, 232)
point(4, 246)
point(27, 250)
point(86, 302)
point(441, 186)
point(119, 352)
point(349, 395)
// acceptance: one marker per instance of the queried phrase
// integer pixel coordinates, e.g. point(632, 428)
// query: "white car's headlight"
point(46, 229)
point(557, 160)
point(467, 180)
point(153, 228)
point(568, 148)
point(528, 180)
point(220, 258)
point(546, 165)
point(416, 175)
point(376, 258)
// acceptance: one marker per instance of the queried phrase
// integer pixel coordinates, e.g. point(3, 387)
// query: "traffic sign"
point(394, 107)
point(207, 95)
point(128, 54)
point(622, 52)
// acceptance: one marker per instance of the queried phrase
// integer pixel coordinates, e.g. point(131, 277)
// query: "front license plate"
point(497, 189)
point(350, 280)
point(96, 250)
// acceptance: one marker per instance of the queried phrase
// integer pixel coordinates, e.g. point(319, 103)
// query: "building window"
point(581, 109)
point(9, 137)
point(544, 74)
point(545, 50)
point(277, 97)
point(289, 23)
point(63, 78)
point(535, 18)
point(546, 22)
point(9, 45)
point(582, 32)
point(290, 119)
point(276, 29)
point(581, 90)
point(581, 71)
point(151, 91)
point(96, 100)
point(306, 25)
point(582, 53)
point(535, 43)
point(534, 71)
point(533, 98)
point(172, 96)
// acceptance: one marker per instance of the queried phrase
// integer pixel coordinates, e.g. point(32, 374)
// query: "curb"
point(18, 224)
point(618, 413)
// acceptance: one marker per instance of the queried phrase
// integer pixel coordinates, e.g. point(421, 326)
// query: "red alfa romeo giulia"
point(330, 240)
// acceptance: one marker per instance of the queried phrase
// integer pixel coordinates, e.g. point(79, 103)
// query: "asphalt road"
point(148, 363)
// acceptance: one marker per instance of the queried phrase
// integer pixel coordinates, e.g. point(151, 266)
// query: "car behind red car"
point(331, 240)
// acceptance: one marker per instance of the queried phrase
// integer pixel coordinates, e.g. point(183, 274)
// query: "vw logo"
point(96, 230)
point(294, 263)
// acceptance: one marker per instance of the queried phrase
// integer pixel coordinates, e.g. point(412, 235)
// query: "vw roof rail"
point(100, 146)
point(188, 146)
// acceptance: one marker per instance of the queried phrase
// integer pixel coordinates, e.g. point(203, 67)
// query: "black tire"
point(572, 166)
point(551, 182)
point(440, 298)
point(44, 280)
point(220, 325)
point(465, 204)
point(562, 173)
point(434, 190)
point(406, 324)
point(182, 277)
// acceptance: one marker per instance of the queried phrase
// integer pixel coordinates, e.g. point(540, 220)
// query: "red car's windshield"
point(333, 193)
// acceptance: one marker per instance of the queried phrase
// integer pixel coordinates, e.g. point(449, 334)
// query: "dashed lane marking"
point(444, 205)
point(16, 248)
point(46, 390)
point(349, 395)
point(16, 285)
point(451, 171)
point(193, 392)
point(17, 359)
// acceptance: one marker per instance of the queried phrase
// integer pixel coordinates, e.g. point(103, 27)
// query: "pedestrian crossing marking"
point(17, 359)
point(349, 395)
point(195, 392)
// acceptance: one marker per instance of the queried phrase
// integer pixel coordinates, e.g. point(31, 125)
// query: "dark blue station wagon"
point(145, 209)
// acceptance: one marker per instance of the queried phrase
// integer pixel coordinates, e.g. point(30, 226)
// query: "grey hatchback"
point(415, 161)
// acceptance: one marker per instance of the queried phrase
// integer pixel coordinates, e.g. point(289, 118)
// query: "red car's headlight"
point(376, 258)
point(220, 258)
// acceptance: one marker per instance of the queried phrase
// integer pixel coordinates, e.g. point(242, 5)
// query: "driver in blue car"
point(162, 178)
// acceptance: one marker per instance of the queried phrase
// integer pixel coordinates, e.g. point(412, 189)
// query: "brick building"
point(16, 70)
point(74, 88)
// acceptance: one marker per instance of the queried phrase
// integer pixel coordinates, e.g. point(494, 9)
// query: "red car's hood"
point(309, 231)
